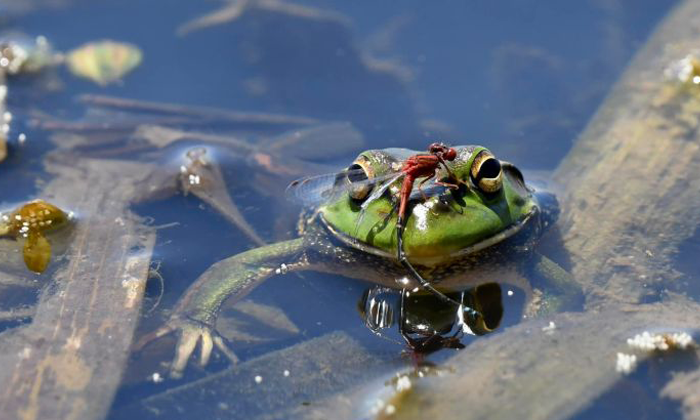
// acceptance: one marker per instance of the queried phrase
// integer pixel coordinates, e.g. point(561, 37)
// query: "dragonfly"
point(316, 190)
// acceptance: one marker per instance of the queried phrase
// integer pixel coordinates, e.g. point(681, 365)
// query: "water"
point(519, 77)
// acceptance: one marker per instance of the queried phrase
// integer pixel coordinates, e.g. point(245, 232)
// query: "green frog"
point(476, 224)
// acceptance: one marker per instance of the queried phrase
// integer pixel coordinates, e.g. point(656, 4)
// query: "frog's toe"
point(189, 336)
point(192, 333)
point(207, 347)
point(221, 345)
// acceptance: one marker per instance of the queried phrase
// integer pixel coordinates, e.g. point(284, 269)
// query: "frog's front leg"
point(194, 317)
point(560, 291)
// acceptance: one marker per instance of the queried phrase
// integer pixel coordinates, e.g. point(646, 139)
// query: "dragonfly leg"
point(420, 185)
point(452, 176)
point(425, 198)
point(425, 285)
point(447, 185)
point(447, 168)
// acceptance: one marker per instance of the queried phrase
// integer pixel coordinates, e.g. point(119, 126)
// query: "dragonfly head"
point(443, 151)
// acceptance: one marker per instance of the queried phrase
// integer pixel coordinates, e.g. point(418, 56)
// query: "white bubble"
point(626, 363)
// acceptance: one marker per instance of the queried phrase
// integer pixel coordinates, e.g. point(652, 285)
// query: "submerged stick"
point(68, 362)
point(208, 113)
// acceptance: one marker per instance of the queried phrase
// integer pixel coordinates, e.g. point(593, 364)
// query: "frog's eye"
point(486, 172)
point(356, 177)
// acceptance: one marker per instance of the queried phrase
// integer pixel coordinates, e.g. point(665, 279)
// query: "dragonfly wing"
point(375, 194)
point(429, 189)
point(315, 190)
point(378, 192)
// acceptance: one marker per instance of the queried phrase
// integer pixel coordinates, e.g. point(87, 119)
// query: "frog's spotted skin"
point(457, 239)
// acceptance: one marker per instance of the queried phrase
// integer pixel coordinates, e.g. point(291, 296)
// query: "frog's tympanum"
point(31, 222)
point(481, 232)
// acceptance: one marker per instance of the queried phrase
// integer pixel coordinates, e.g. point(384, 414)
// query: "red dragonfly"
point(423, 166)
point(314, 190)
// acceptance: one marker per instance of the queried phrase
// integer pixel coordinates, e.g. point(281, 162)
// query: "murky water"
point(520, 78)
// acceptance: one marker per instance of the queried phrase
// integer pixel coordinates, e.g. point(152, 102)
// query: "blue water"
point(521, 77)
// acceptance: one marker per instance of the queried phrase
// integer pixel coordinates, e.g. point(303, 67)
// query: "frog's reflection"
point(428, 324)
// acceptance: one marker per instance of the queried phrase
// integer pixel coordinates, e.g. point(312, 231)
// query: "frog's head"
point(491, 204)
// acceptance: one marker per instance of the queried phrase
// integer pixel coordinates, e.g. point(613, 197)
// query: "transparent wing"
point(378, 192)
point(315, 190)
point(429, 189)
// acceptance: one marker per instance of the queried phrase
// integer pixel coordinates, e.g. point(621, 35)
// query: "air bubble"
point(283, 269)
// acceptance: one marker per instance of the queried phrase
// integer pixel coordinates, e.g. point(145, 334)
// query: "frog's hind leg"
point(194, 317)
point(559, 291)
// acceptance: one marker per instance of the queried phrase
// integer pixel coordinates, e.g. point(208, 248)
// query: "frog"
point(480, 230)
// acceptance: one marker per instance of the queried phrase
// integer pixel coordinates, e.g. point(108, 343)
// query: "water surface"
point(521, 78)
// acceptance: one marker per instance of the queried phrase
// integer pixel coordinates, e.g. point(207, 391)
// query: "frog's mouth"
point(501, 236)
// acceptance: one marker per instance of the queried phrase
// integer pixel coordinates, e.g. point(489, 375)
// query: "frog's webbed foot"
point(190, 333)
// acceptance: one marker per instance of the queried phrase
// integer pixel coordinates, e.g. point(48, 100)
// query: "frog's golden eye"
point(356, 177)
point(486, 172)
